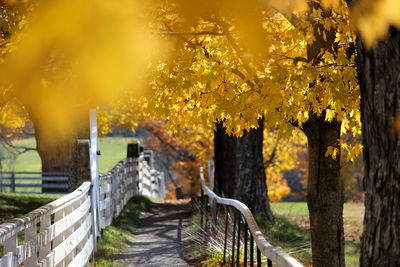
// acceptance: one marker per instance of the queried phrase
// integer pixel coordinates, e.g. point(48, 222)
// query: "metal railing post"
point(238, 243)
point(245, 244)
point(233, 238)
point(242, 212)
point(226, 234)
point(13, 182)
point(201, 208)
point(258, 257)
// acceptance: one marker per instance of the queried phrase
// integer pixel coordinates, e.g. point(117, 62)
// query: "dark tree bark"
point(239, 169)
point(225, 162)
point(325, 193)
point(251, 187)
point(54, 149)
point(325, 189)
point(379, 77)
point(55, 141)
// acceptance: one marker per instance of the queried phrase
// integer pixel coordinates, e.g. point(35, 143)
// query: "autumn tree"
point(65, 63)
point(185, 150)
point(378, 68)
point(304, 77)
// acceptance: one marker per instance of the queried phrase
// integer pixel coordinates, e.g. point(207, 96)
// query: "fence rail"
point(67, 236)
point(20, 182)
point(243, 222)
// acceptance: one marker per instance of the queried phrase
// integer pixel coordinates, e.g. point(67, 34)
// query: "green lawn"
point(14, 205)
point(113, 149)
point(28, 161)
point(292, 224)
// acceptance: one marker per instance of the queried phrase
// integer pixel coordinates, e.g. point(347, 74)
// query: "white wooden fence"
point(66, 234)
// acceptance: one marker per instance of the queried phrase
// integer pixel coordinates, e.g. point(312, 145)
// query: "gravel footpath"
point(159, 237)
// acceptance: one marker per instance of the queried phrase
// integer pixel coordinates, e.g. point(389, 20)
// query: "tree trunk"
point(379, 77)
point(325, 193)
point(251, 188)
point(55, 142)
point(239, 168)
point(225, 162)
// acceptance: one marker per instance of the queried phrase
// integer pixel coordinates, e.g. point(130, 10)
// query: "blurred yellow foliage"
point(372, 18)
point(79, 52)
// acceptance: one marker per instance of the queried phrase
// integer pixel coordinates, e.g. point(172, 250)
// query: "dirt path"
point(159, 237)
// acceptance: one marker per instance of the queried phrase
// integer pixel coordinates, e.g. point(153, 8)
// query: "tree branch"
point(191, 33)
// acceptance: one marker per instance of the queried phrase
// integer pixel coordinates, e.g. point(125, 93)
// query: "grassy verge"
point(113, 149)
point(16, 205)
point(115, 237)
point(291, 233)
point(288, 236)
point(295, 214)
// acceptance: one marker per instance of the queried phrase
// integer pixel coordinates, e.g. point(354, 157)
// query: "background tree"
point(304, 76)
point(378, 73)
point(63, 48)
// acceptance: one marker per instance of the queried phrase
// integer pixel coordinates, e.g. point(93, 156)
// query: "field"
point(291, 230)
point(113, 149)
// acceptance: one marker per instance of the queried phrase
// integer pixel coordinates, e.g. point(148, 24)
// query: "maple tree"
point(185, 151)
point(13, 115)
point(305, 77)
point(59, 60)
point(280, 155)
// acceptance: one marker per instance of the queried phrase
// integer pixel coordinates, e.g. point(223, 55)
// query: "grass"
point(292, 215)
point(288, 236)
point(115, 237)
point(113, 149)
point(28, 161)
point(291, 233)
point(16, 205)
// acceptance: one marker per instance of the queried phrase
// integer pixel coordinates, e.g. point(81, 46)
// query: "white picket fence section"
point(66, 236)
point(151, 182)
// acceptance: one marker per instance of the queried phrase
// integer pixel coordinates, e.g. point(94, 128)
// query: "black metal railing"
point(33, 182)
point(240, 222)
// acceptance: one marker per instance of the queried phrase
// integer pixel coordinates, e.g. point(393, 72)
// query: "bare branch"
point(243, 77)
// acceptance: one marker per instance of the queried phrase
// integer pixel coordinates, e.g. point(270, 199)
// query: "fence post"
point(30, 235)
point(80, 172)
point(13, 182)
point(80, 165)
point(10, 245)
point(133, 152)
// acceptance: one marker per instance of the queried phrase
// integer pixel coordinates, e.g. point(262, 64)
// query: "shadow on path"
point(159, 237)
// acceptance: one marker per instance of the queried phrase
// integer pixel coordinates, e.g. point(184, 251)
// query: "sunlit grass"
point(113, 149)
point(115, 237)
point(290, 233)
point(297, 213)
